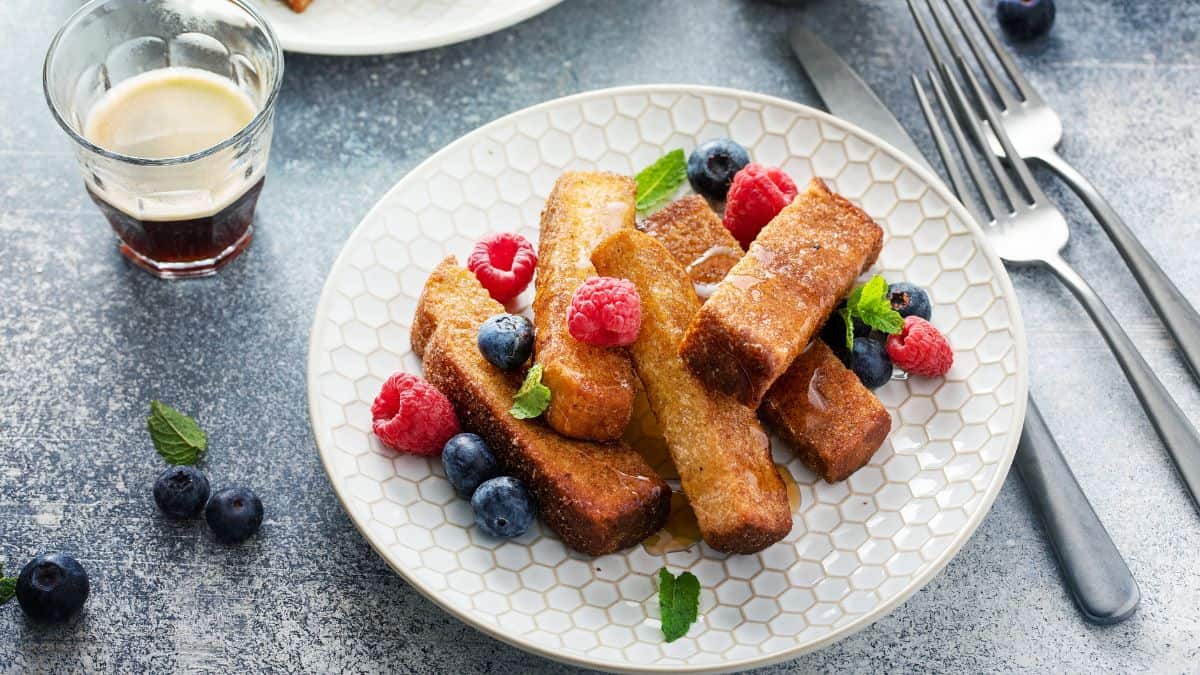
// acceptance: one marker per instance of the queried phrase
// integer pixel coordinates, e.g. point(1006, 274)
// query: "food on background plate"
point(599, 498)
point(773, 301)
point(298, 5)
point(721, 453)
point(591, 386)
point(818, 406)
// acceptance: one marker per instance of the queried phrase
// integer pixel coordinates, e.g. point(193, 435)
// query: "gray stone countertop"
point(86, 340)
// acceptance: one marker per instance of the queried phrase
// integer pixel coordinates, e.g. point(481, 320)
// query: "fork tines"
point(1008, 98)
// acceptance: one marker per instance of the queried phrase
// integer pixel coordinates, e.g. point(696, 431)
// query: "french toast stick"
point(599, 497)
point(721, 452)
point(818, 406)
point(774, 300)
point(591, 387)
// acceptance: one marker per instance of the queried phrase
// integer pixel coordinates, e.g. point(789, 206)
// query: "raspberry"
point(920, 349)
point(504, 264)
point(606, 312)
point(757, 195)
point(409, 415)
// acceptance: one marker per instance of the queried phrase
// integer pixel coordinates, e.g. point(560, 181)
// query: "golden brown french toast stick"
point(694, 235)
point(720, 450)
point(778, 295)
point(836, 432)
point(591, 387)
point(599, 497)
point(823, 410)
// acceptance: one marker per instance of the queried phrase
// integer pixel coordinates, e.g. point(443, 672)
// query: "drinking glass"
point(180, 216)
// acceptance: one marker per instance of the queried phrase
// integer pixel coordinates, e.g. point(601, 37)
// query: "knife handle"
point(1093, 570)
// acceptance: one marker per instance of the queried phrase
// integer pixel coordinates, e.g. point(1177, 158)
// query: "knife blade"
point(846, 95)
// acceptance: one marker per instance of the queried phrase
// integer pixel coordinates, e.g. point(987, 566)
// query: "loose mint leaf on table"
point(678, 601)
point(176, 436)
point(533, 397)
point(8, 587)
point(870, 304)
point(661, 179)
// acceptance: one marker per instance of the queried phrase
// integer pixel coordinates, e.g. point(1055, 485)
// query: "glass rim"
point(260, 117)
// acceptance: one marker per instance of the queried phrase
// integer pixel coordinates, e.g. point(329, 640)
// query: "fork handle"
point(1173, 427)
point(1094, 571)
point(1177, 314)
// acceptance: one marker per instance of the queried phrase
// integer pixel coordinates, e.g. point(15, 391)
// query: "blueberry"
point(1025, 19)
point(834, 333)
point(52, 587)
point(506, 341)
point(870, 362)
point(910, 300)
point(234, 514)
point(503, 507)
point(468, 462)
point(181, 491)
point(712, 166)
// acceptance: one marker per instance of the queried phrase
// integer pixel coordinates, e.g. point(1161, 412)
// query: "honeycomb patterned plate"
point(857, 549)
point(349, 27)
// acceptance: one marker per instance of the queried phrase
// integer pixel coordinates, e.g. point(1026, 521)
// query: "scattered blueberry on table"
point(52, 587)
point(1025, 19)
point(181, 491)
point(234, 514)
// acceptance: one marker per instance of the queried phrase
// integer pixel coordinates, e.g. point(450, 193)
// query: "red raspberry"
point(409, 415)
point(504, 264)
point(920, 349)
point(605, 311)
point(757, 195)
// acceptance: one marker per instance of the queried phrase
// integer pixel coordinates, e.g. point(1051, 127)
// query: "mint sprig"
point(177, 437)
point(870, 304)
point(8, 587)
point(661, 179)
point(678, 602)
point(533, 397)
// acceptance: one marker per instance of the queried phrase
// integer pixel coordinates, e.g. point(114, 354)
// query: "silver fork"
point(1034, 231)
point(1035, 130)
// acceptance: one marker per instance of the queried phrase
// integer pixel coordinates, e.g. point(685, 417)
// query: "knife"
point(1093, 570)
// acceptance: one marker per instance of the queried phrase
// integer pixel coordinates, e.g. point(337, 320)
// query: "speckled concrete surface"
point(86, 341)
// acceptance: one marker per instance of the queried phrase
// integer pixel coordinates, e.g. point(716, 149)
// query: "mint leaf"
point(661, 179)
point(533, 397)
point(870, 304)
point(176, 436)
point(678, 601)
point(8, 587)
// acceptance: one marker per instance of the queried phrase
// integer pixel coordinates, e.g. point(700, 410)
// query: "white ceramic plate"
point(350, 27)
point(857, 549)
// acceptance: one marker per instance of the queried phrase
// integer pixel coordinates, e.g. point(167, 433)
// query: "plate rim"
point(300, 45)
point(839, 633)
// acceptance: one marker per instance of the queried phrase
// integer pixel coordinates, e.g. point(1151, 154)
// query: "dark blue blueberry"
point(712, 166)
point(506, 341)
point(468, 462)
point(910, 300)
point(233, 514)
point(52, 587)
point(834, 333)
point(181, 491)
point(1025, 19)
point(870, 362)
point(503, 507)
